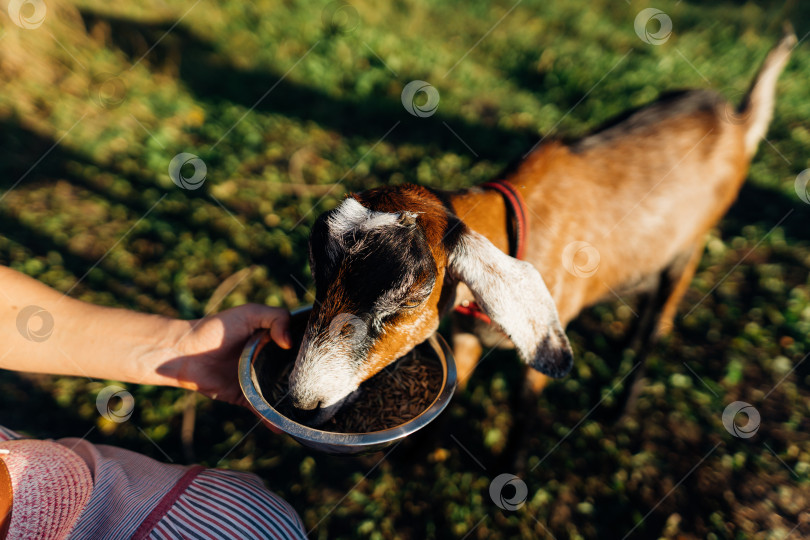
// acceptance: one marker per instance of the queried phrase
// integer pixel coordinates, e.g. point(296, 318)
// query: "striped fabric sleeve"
point(8, 435)
point(135, 496)
point(221, 504)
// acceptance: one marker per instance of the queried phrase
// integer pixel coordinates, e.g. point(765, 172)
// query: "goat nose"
point(305, 411)
point(306, 403)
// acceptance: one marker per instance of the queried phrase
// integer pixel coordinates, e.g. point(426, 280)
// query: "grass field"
point(293, 104)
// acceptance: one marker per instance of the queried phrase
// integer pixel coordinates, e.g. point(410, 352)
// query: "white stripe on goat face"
point(327, 368)
point(352, 216)
point(325, 371)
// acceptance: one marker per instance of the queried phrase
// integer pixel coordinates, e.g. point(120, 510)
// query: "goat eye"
point(413, 303)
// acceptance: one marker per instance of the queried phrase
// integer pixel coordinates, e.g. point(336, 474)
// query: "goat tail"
point(758, 104)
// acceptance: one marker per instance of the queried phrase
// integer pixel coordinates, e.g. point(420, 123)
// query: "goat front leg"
point(524, 415)
point(524, 421)
point(467, 353)
point(534, 383)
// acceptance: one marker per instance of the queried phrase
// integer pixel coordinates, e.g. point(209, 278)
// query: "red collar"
point(517, 207)
point(516, 230)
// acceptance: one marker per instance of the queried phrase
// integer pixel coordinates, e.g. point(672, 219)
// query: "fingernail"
point(287, 337)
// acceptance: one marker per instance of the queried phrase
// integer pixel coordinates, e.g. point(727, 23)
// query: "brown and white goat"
point(638, 196)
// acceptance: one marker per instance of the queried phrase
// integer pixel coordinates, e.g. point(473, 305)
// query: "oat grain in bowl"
point(397, 394)
point(420, 387)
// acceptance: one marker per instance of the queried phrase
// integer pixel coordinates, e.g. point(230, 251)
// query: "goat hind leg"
point(686, 272)
point(658, 313)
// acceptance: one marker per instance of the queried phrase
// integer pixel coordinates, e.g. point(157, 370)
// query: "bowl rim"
point(250, 388)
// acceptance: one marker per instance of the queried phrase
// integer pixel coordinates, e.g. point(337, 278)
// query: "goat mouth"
point(320, 415)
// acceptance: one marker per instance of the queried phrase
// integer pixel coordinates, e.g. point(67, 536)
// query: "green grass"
point(332, 122)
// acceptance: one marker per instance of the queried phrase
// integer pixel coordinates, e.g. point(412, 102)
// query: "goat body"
point(626, 207)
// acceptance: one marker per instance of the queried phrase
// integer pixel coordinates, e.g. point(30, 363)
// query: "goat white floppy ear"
point(514, 295)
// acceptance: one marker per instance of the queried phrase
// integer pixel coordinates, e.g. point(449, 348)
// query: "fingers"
point(276, 319)
point(280, 332)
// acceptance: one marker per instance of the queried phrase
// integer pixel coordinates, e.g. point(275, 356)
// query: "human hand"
point(206, 351)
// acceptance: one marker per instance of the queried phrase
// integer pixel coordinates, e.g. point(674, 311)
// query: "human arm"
point(70, 337)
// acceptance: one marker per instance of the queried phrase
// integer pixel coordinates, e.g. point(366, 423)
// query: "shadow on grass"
point(797, 12)
point(213, 78)
point(22, 150)
point(26, 407)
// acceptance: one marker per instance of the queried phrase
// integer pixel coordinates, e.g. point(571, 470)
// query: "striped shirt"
point(137, 497)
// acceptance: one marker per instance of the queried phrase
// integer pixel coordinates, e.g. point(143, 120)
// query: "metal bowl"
point(252, 367)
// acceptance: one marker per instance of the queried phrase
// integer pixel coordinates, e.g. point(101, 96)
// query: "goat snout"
point(304, 392)
point(306, 403)
point(320, 383)
point(313, 408)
